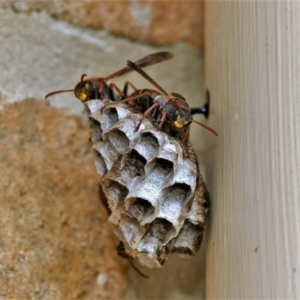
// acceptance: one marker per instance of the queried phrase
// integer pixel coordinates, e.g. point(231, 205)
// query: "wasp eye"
point(87, 87)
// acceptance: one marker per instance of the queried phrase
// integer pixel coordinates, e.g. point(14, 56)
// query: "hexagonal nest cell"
point(156, 195)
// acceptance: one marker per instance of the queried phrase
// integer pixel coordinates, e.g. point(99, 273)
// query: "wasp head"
point(181, 118)
point(87, 89)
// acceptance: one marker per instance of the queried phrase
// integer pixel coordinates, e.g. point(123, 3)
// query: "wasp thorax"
point(85, 91)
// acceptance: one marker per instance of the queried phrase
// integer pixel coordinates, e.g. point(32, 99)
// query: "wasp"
point(163, 107)
point(98, 88)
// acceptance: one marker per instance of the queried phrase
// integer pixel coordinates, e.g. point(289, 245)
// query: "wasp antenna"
point(82, 76)
point(206, 127)
point(58, 92)
point(137, 270)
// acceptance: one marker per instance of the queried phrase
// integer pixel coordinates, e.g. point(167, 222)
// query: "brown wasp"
point(163, 107)
point(98, 88)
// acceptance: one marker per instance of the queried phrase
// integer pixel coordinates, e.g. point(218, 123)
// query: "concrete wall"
point(157, 22)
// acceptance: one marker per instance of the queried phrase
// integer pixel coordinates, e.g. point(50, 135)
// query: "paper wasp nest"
point(157, 197)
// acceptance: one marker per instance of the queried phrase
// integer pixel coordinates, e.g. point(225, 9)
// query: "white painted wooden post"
point(253, 74)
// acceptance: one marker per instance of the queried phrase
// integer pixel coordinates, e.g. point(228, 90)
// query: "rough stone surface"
point(158, 22)
point(55, 240)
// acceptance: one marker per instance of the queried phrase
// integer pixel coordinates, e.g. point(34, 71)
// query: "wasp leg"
point(146, 113)
point(125, 89)
point(129, 99)
point(162, 120)
point(121, 252)
point(186, 137)
point(121, 94)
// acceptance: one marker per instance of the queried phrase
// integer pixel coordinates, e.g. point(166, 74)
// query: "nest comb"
point(156, 195)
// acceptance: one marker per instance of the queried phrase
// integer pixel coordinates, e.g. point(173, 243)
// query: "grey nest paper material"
point(156, 195)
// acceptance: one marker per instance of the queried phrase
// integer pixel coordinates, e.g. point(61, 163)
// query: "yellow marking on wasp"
point(178, 124)
point(82, 97)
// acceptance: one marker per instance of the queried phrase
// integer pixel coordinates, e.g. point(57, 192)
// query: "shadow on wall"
point(178, 279)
